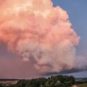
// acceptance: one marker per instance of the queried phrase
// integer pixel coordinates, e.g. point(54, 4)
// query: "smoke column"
point(39, 33)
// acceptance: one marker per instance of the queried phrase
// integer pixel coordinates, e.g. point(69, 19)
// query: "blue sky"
point(77, 10)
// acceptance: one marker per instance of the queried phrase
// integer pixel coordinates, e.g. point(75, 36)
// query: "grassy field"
point(83, 85)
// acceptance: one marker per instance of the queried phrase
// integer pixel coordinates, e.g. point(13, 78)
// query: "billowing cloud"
point(39, 33)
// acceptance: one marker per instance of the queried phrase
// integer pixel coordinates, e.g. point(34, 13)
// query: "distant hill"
point(78, 73)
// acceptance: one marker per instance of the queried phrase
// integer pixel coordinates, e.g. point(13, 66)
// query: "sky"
point(61, 56)
point(77, 10)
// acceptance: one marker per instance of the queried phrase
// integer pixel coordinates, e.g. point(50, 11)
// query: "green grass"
point(83, 85)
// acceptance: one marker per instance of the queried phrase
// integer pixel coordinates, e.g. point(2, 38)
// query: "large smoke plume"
point(40, 33)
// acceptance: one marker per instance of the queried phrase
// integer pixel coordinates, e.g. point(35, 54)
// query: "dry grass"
point(83, 85)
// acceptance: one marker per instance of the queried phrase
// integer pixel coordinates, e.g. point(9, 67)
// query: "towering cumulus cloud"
point(39, 33)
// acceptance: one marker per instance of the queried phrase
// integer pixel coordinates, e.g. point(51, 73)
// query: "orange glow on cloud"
point(34, 29)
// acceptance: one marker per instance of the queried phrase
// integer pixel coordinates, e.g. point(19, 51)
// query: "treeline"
point(54, 81)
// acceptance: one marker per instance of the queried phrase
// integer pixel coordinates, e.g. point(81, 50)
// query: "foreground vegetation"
point(54, 81)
